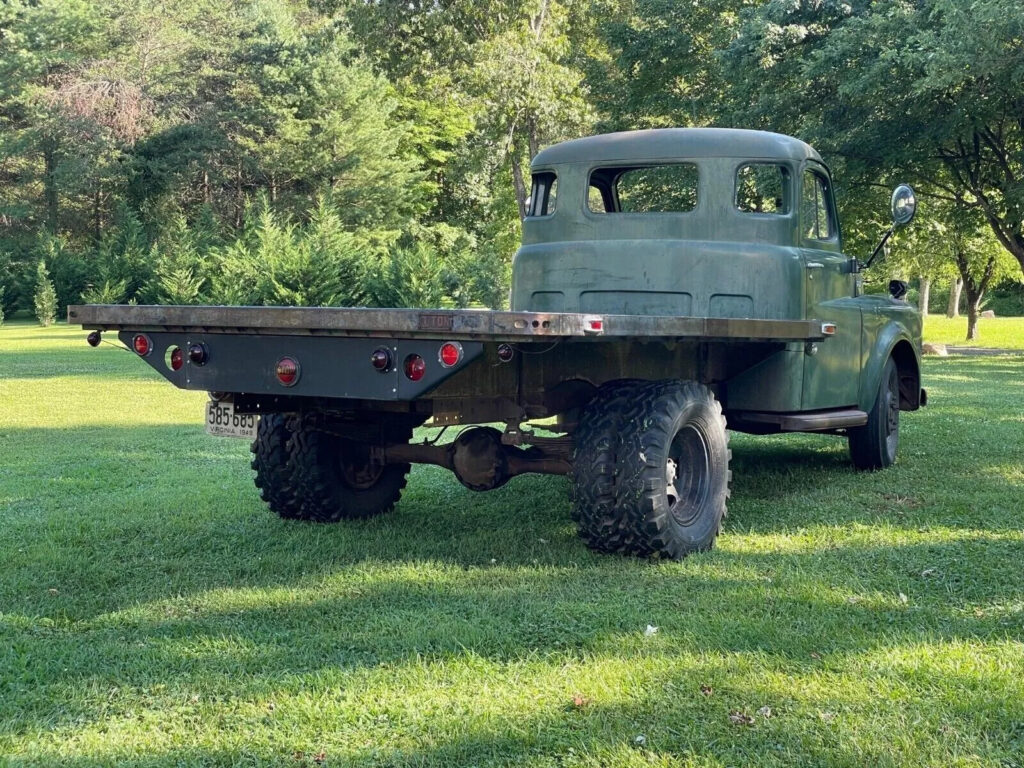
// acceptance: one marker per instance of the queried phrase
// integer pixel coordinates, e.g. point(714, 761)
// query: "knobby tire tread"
point(649, 429)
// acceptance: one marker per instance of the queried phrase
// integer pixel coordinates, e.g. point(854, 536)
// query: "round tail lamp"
point(287, 371)
point(142, 344)
point(381, 359)
point(415, 367)
point(176, 359)
point(198, 354)
point(450, 354)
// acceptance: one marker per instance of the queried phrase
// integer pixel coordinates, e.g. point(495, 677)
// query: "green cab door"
point(831, 367)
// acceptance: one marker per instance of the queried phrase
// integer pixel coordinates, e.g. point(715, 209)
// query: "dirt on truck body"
point(671, 284)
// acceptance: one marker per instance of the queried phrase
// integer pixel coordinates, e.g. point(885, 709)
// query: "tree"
point(656, 64)
point(45, 298)
point(980, 261)
point(303, 114)
point(930, 89)
point(527, 95)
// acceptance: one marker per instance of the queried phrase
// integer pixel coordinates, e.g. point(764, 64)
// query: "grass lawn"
point(153, 613)
point(999, 332)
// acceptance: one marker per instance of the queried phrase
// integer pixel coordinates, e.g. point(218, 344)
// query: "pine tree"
point(45, 297)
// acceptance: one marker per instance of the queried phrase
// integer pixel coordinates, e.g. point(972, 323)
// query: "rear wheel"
point(674, 469)
point(594, 467)
point(339, 479)
point(273, 469)
point(874, 445)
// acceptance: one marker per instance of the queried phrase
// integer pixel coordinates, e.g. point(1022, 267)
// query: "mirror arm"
point(879, 247)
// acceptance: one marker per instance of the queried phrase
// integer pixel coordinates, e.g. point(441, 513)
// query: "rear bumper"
point(334, 368)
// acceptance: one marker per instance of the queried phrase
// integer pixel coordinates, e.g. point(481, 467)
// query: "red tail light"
point(450, 354)
point(415, 367)
point(177, 359)
point(287, 371)
point(142, 345)
point(197, 354)
point(381, 359)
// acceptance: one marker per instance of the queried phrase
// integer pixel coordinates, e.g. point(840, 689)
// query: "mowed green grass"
point(154, 613)
point(997, 332)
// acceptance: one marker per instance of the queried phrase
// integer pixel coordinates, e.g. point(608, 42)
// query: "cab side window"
point(762, 188)
point(816, 210)
point(544, 195)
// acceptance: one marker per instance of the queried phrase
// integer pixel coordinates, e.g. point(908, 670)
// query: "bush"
point(108, 293)
point(45, 298)
point(278, 262)
point(70, 272)
point(1007, 299)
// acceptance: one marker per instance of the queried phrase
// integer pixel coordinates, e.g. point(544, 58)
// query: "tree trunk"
point(50, 185)
point(97, 211)
point(953, 307)
point(519, 182)
point(925, 293)
point(974, 287)
point(972, 318)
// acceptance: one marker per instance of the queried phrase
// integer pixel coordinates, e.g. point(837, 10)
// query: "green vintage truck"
point(671, 285)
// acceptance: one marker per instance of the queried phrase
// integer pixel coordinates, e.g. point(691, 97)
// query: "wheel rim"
point(358, 470)
point(892, 413)
point(687, 474)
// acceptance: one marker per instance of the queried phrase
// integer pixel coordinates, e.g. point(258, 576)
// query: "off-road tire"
point(271, 462)
point(874, 445)
point(594, 468)
point(322, 463)
point(681, 421)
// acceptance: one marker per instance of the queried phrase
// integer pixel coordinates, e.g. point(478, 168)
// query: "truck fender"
point(893, 342)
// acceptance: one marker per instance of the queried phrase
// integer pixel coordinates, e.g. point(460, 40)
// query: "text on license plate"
point(222, 421)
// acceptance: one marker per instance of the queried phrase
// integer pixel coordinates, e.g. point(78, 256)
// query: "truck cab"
point(719, 223)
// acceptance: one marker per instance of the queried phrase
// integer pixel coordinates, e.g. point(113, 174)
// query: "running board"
point(810, 421)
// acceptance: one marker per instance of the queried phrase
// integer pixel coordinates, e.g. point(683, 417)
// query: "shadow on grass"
point(165, 567)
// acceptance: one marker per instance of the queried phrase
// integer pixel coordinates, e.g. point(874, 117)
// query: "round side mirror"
point(904, 205)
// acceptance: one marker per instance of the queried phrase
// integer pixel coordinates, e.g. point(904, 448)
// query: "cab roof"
point(671, 143)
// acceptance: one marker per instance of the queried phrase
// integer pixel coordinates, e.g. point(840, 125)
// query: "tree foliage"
point(347, 152)
point(45, 298)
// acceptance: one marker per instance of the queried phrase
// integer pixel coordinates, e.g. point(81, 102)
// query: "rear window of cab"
point(669, 188)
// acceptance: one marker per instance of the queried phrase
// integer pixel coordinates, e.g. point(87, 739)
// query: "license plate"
point(222, 421)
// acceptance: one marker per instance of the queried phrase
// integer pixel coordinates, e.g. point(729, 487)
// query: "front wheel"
point(873, 446)
point(674, 465)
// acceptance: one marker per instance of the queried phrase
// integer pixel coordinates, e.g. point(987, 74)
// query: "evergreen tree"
point(45, 296)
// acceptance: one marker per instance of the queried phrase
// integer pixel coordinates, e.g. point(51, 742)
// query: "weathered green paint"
point(714, 261)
